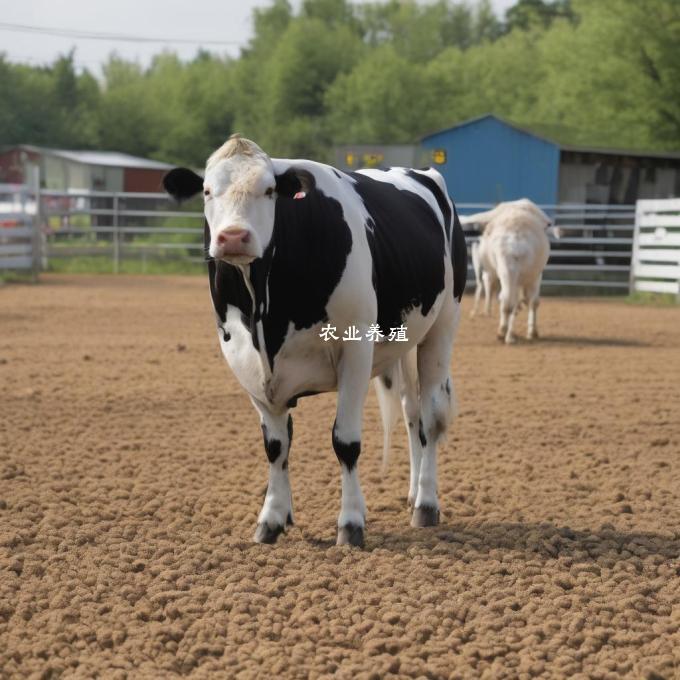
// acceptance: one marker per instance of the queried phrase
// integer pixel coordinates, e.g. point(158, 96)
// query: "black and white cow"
point(296, 246)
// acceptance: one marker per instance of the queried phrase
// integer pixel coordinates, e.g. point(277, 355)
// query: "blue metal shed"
point(487, 160)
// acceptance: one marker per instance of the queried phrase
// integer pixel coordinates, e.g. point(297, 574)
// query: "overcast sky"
point(199, 20)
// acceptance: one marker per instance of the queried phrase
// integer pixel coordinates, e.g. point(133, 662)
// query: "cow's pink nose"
point(232, 236)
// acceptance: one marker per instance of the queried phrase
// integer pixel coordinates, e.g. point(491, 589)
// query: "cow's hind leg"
point(533, 293)
point(411, 409)
point(509, 300)
point(277, 510)
point(437, 404)
point(489, 284)
point(354, 374)
point(479, 289)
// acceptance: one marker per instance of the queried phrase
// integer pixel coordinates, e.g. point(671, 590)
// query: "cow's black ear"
point(293, 181)
point(182, 183)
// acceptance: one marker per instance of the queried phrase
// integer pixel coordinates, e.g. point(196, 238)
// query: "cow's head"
point(240, 190)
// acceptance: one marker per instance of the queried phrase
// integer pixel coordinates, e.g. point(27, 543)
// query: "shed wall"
point(488, 161)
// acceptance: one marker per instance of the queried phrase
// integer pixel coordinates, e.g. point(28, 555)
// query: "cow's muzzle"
point(233, 242)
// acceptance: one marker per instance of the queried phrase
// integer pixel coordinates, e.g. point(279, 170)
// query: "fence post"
point(37, 238)
point(116, 236)
point(634, 249)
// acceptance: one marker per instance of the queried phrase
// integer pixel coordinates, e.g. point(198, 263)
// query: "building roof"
point(566, 138)
point(113, 159)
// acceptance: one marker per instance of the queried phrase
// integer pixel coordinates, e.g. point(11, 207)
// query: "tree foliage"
point(335, 72)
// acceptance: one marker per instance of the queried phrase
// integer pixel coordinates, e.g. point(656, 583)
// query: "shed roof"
point(113, 159)
point(566, 138)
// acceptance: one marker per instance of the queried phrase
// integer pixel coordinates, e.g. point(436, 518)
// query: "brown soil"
point(132, 471)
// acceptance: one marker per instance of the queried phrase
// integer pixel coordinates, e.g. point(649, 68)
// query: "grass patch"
point(104, 265)
point(652, 299)
point(11, 276)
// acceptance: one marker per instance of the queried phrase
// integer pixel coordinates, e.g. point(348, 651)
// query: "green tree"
point(386, 98)
point(527, 14)
point(615, 76)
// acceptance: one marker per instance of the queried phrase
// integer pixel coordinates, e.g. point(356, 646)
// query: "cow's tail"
point(388, 388)
point(480, 219)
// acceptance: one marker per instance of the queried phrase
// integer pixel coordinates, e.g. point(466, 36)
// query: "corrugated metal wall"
point(488, 161)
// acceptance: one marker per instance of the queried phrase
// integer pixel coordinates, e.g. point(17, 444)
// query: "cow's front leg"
point(277, 510)
point(354, 373)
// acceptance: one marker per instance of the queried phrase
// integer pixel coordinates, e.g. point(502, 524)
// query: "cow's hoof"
point(425, 516)
point(266, 534)
point(532, 335)
point(351, 534)
point(500, 335)
point(289, 520)
point(510, 340)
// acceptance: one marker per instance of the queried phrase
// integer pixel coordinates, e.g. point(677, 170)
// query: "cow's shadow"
point(544, 540)
point(590, 342)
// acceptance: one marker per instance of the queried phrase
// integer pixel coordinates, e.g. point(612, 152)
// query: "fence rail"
point(147, 231)
point(656, 249)
point(593, 251)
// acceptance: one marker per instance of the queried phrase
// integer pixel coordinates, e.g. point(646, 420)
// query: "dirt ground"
point(132, 472)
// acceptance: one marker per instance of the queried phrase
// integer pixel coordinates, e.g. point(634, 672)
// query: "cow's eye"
point(269, 191)
point(206, 192)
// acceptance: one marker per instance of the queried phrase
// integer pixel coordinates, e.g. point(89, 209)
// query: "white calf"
point(512, 252)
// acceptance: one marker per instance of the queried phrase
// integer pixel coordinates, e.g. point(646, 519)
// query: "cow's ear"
point(294, 181)
point(182, 183)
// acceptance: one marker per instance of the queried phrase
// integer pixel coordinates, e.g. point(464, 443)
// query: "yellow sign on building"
point(439, 156)
point(373, 160)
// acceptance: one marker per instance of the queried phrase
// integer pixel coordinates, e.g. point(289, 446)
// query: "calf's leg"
point(533, 295)
point(479, 289)
point(277, 510)
point(508, 302)
point(489, 283)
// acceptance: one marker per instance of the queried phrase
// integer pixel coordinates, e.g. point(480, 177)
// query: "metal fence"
point(122, 232)
point(593, 252)
point(19, 235)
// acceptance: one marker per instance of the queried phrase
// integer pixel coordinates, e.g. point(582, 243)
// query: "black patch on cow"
point(337, 174)
point(347, 454)
point(407, 244)
point(284, 465)
point(182, 183)
point(293, 180)
point(459, 257)
point(421, 433)
point(441, 198)
point(290, 430)
point(292, 402)
point(226, 336)
point(447, 386)
point(387, 381)
point(302, 265)
point(271, 446)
